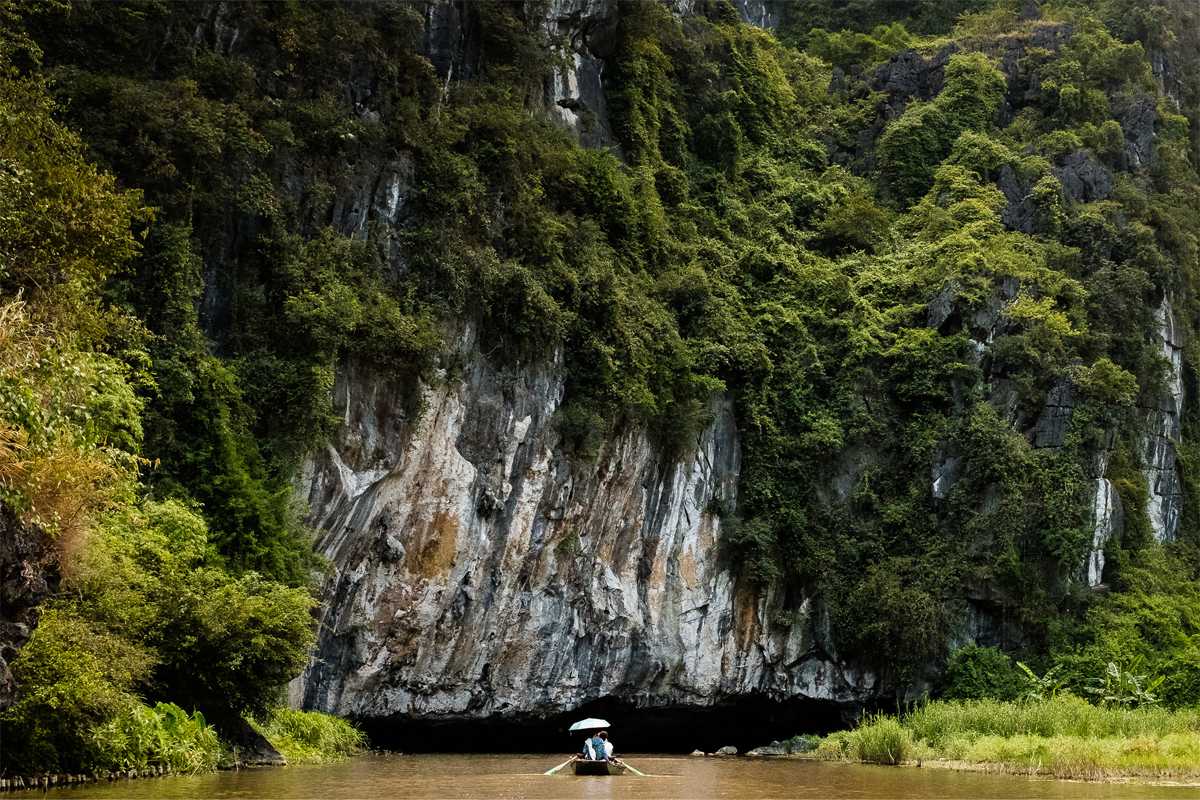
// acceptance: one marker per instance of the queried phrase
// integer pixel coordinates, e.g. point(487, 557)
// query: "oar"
point(633, 769)
point(553, 770)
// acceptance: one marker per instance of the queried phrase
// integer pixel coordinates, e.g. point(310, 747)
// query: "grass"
point(1064, 715)
point(883, 740)
point(1064, 736)
point(310, 737)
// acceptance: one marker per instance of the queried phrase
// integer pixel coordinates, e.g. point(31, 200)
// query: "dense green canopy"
point(883, 276)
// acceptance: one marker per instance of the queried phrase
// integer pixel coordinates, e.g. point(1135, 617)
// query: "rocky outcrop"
point(478, 569)
point(1162, 430)
point(244, 746)
point(1084, 178)
point(761, 13)
point(1107, 518)
point(28, 575)
point(1138, 119)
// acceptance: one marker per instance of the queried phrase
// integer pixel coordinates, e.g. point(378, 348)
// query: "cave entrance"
point(745, 724)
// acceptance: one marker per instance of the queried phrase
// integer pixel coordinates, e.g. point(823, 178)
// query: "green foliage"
point(1124, 688)
point(310, 737)
point(76, 708)
point(1037, 688)
point(976, 673)
point(848, 48)
point(165, 735)
point(1140, 644)
point(928, 17)
point(882, 740)
point(221, 641)
point(70, 425)
point(73, 680)
point(876, 298)
point(914, 144)
point(1065, 737)
point(65, 225)
point(1065, 715)
point(152, 613)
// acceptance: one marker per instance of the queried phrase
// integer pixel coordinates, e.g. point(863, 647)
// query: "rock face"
point(1162, 431)
point(1106, 521)
point(479, 570)
point(1084, 179)
point(28, 575)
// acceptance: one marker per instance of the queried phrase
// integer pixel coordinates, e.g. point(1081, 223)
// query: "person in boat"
point(607, 746)
point(593, 748)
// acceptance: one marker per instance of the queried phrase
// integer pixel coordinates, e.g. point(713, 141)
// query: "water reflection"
point(400, 777)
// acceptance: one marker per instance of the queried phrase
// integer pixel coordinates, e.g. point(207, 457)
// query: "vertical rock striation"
point(1162, 430)
point(478, 570)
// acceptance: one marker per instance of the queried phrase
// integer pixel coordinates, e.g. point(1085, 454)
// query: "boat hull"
point(585, 767)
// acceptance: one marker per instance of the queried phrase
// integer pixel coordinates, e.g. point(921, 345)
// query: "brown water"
point(403, 777)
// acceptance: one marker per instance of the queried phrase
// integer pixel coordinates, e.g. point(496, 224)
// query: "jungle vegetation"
point(181, 279)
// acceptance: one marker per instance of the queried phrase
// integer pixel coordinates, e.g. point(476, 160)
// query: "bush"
point(73, 681)
point(164, 735)
point(220, 641)
point(309, 737)
point(975, 673)
point(913, 145)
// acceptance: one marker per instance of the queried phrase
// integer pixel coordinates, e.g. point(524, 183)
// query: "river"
point(403, 777)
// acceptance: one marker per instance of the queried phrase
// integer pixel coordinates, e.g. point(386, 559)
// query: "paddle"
point(633, 769)
point(553, 770)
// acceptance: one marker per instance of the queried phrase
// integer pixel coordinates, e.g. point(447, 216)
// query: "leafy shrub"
point(310, 737)
point(69, 427)
point(975, 673)
point(164, 735)
point(221, 641)
point(913, 145)
point(72, 681)
point(846, 48)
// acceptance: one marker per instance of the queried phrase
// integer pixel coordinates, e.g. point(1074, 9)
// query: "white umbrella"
point(589, 724)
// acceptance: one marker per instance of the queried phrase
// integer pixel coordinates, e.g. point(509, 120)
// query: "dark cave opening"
point(745, 723)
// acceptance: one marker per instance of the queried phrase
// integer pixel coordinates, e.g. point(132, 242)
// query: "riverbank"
point(18, 783)
point(1063, 737)
point(301, 737)
point(1003, 769)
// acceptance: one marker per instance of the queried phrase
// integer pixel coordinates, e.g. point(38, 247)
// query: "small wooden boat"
point(585, 767)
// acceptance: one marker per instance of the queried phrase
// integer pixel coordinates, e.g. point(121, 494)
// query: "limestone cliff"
point(478, 569)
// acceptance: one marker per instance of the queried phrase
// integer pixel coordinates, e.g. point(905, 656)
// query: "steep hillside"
point(675, 353)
